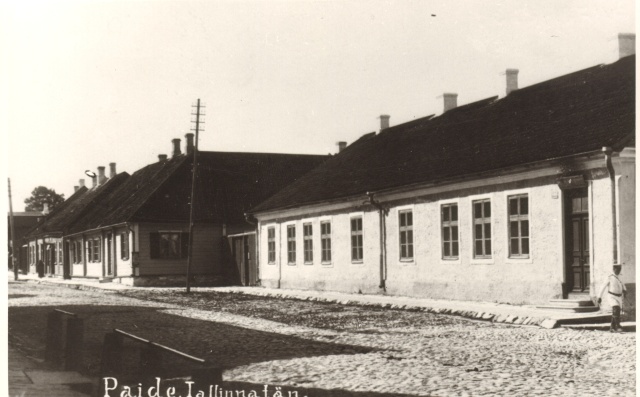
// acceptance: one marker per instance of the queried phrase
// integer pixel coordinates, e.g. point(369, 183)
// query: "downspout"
point(383, 240)
point(608, 153)
point(279, 254)
point(252, 221)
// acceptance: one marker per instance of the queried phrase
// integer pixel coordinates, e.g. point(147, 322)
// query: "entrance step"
point(571, 305)
point(105, 279)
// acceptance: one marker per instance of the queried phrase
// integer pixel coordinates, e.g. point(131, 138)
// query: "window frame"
point(359, 238)
point(307, 243)
point(291, 245)
point(483, 220)
point(449, 225)
point(407, 230)
point(519, 218)
point(124, 246)
point(271, 245)
point(324, 238)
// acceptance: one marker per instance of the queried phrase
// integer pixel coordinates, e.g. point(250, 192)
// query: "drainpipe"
point(608, 153)
point(252, 221)
point(132, 246)
point(279, 253)
point(383, 240)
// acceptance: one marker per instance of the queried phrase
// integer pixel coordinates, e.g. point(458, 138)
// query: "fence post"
point(53, 338)
point(209, 374)
point(74, 344)
point(111, 354)
point(151, 362)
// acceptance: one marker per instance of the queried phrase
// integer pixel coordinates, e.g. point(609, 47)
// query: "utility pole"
point(197, 122)
point(13, 237)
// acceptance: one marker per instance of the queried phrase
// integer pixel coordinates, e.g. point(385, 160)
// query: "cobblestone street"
point(336, 350)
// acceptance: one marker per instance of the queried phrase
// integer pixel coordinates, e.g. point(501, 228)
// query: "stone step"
point(571, 302)
point(570, 309)
point(585, 318)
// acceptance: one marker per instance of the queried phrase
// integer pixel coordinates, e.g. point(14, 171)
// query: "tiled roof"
point(229, 184)
point(572, 114)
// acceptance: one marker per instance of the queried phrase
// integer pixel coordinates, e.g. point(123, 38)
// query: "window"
point(307, 233)
point(291, 244)
point(124, 245)
point(96, 249)
point(482, 228)
point(271, 244)
point(356, 239)
point(450, 231)
point(78, 252)
point(519, 226)
point(325, 236)
point(169, 245)
point(406, 235)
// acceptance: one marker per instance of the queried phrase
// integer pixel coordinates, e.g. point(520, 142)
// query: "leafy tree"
point(41, 195)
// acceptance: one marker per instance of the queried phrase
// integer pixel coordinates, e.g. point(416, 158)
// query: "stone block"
point(549, 324)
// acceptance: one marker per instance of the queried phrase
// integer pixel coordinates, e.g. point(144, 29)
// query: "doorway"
point(243, 248)
point(578, 244)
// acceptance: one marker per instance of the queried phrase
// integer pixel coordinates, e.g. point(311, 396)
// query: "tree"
point(41, 195)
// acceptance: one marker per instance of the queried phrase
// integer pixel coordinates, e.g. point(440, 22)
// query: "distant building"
point(505, 199)
point(22, 223)
point(134, 229)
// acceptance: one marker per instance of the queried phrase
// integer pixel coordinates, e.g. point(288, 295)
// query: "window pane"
point(479, 247)
point(447, 251)
point(410, 236)
point(477, 210)
point(478, 231)
point(403, 238)
point(328, 225)
point(403, 251)
point(487, 209)
point(410, 251)
point(445, 214)
point(514, 229)
point(409, 218)
point(454, 212)
point(403, 219)
point(354, 226)
point(454, 249)
point(446, 234)
point(513, 206)
point(328, 244)
point(487, 230)
point(454, 233)
point(515, 250)
point(487, 247)
point(524, 205)
point(585, 204)
point(525, 246)
point(524, 228)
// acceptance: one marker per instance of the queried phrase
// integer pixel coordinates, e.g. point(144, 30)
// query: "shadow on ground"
point(224, 345)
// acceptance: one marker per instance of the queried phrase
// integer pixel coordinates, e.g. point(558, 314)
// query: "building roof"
point(59, 221)
point(573, 114)
point(229, 184)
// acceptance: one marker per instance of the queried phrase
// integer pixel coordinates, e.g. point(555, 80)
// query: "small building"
point(22, 223)
point(134, 229)
point(518, 199)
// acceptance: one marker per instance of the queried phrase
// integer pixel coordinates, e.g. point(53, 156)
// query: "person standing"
point(616, 292)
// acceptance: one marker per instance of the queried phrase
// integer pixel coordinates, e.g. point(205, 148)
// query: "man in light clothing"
point(616, 291)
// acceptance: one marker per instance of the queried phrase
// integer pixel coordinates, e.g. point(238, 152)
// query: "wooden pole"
point(193, 198)
point(14, 250)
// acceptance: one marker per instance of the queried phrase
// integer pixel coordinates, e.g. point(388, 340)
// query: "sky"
point(88, 83)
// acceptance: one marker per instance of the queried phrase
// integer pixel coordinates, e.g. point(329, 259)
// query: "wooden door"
point(243, 247)
point(578, 244)
point(239, 258)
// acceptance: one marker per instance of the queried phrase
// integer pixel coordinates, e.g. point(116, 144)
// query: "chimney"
point(512, 80)
point(112, 170)
point(384, 121)
point(341, 146)
point(102, 178)
point(75, 188)
point(94, 181)
point(450, 101)
point(45, 208)
point(176, 147)
point(162, 157)
point(626, 44)
point(81, 182)
point(190, 146)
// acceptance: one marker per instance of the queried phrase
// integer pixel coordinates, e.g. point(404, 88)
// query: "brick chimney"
point(190, 146)
point(94, 181)
point(626, 44)
point(512, 80)
point(162, 157)
point(384, 121)
point(341, 146)
point(112, 170)
point(81, 181)
point(102, 178)
point(176, 147)
point(75, 188)
point(450, 101)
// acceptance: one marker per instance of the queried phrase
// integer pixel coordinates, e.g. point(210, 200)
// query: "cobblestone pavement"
point(374, 353)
